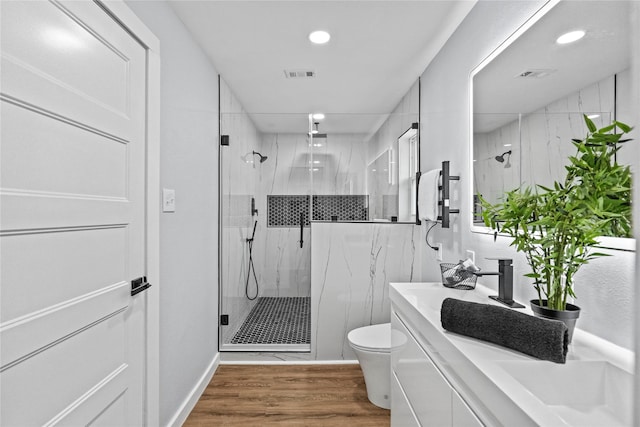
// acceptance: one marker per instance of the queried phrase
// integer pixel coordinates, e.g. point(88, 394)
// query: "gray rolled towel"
point(542, 338)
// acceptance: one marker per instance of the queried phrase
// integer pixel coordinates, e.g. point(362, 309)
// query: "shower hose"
point(251, 267)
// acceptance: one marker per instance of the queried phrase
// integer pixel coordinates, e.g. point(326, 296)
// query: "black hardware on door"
point(224, 139)
point(138, 285)
point(224, 319)
point(301, 229)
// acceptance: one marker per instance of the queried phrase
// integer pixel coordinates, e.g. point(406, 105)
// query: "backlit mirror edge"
point(614, 243)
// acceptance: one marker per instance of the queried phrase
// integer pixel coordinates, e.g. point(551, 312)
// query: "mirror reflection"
point(529, 99)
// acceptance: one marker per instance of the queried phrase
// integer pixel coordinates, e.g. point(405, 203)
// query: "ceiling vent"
point(299, 74)
point(536, 73)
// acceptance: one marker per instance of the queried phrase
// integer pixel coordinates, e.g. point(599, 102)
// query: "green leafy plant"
point(557, 227)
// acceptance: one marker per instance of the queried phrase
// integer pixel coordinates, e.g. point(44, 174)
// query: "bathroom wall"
point(239, 172)
point(337, 168)
point(188, 237)
point(283, 266)
point(353, 266)
point(605, 286)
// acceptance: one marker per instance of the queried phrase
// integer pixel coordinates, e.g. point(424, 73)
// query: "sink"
point(584, 393)
point(594, 387)
point(430, 295)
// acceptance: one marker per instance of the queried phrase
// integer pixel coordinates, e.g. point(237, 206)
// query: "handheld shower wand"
point(251, 267)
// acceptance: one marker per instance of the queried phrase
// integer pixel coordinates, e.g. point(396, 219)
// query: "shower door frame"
point(227, 347)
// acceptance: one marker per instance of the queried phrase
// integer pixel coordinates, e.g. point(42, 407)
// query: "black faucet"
point(505, 282)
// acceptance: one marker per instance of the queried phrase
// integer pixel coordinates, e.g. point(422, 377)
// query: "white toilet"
point(372, 346)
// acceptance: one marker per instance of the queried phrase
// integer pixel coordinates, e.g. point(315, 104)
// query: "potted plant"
point(557, 227)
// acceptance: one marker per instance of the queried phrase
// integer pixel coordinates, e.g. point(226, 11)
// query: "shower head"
point(500, 158)
point(262, 158)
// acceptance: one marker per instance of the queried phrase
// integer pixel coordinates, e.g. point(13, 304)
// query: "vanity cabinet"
point(420, 394)
point(401, 413)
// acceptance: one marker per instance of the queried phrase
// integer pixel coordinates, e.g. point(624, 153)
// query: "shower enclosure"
point(279, 172)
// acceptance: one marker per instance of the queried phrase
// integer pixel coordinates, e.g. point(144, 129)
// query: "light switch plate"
point(168, 200)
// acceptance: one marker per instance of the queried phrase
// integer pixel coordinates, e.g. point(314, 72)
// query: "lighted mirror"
point(529, 97)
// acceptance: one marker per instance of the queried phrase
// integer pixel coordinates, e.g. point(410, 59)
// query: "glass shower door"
point(264, 232)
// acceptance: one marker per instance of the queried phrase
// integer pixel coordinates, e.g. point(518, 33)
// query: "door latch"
point(138, 285)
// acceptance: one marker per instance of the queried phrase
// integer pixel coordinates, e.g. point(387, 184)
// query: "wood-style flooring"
point(287, 395)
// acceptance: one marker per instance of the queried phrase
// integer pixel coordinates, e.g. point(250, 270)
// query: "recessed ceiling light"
point(319, 37)
point(593, 116)
point(570, 37)
point(318, 116)
point(507, 145)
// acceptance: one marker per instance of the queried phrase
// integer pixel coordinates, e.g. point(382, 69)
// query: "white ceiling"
point(604, 51)
point(378, 49)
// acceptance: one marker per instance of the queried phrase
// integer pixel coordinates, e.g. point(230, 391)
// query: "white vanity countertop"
point(480, 371)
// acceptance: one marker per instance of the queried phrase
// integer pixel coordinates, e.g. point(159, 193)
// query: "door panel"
point(56, 254)
point(64, 373)
point(25, 337)
point(71, 216)
point(54, 59)
point(51, 157)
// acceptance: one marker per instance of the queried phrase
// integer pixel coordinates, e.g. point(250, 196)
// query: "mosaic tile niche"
point(285, 211)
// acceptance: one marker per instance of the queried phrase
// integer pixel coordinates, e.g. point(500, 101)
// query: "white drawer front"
point(463, 416)
point(428, 393)
point(401, 413)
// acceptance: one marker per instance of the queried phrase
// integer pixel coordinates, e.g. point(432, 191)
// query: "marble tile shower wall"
point(239, 178)
point(284, 266)
point(354, 264)
point(542, 145)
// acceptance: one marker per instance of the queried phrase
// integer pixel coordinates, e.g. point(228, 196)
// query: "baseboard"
point(190, 402)
point(289, 362)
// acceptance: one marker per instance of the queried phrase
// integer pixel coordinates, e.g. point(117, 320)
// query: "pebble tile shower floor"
point(277, 320)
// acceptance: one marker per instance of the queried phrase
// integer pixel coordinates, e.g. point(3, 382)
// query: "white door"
point(72, 212)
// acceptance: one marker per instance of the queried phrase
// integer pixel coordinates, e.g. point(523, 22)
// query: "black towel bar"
point(445, 209)
point(443, 200)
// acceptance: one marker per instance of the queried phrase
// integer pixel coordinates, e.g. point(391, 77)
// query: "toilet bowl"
point(372, 346)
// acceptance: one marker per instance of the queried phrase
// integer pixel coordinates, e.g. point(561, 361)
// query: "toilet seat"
point(376, 338)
